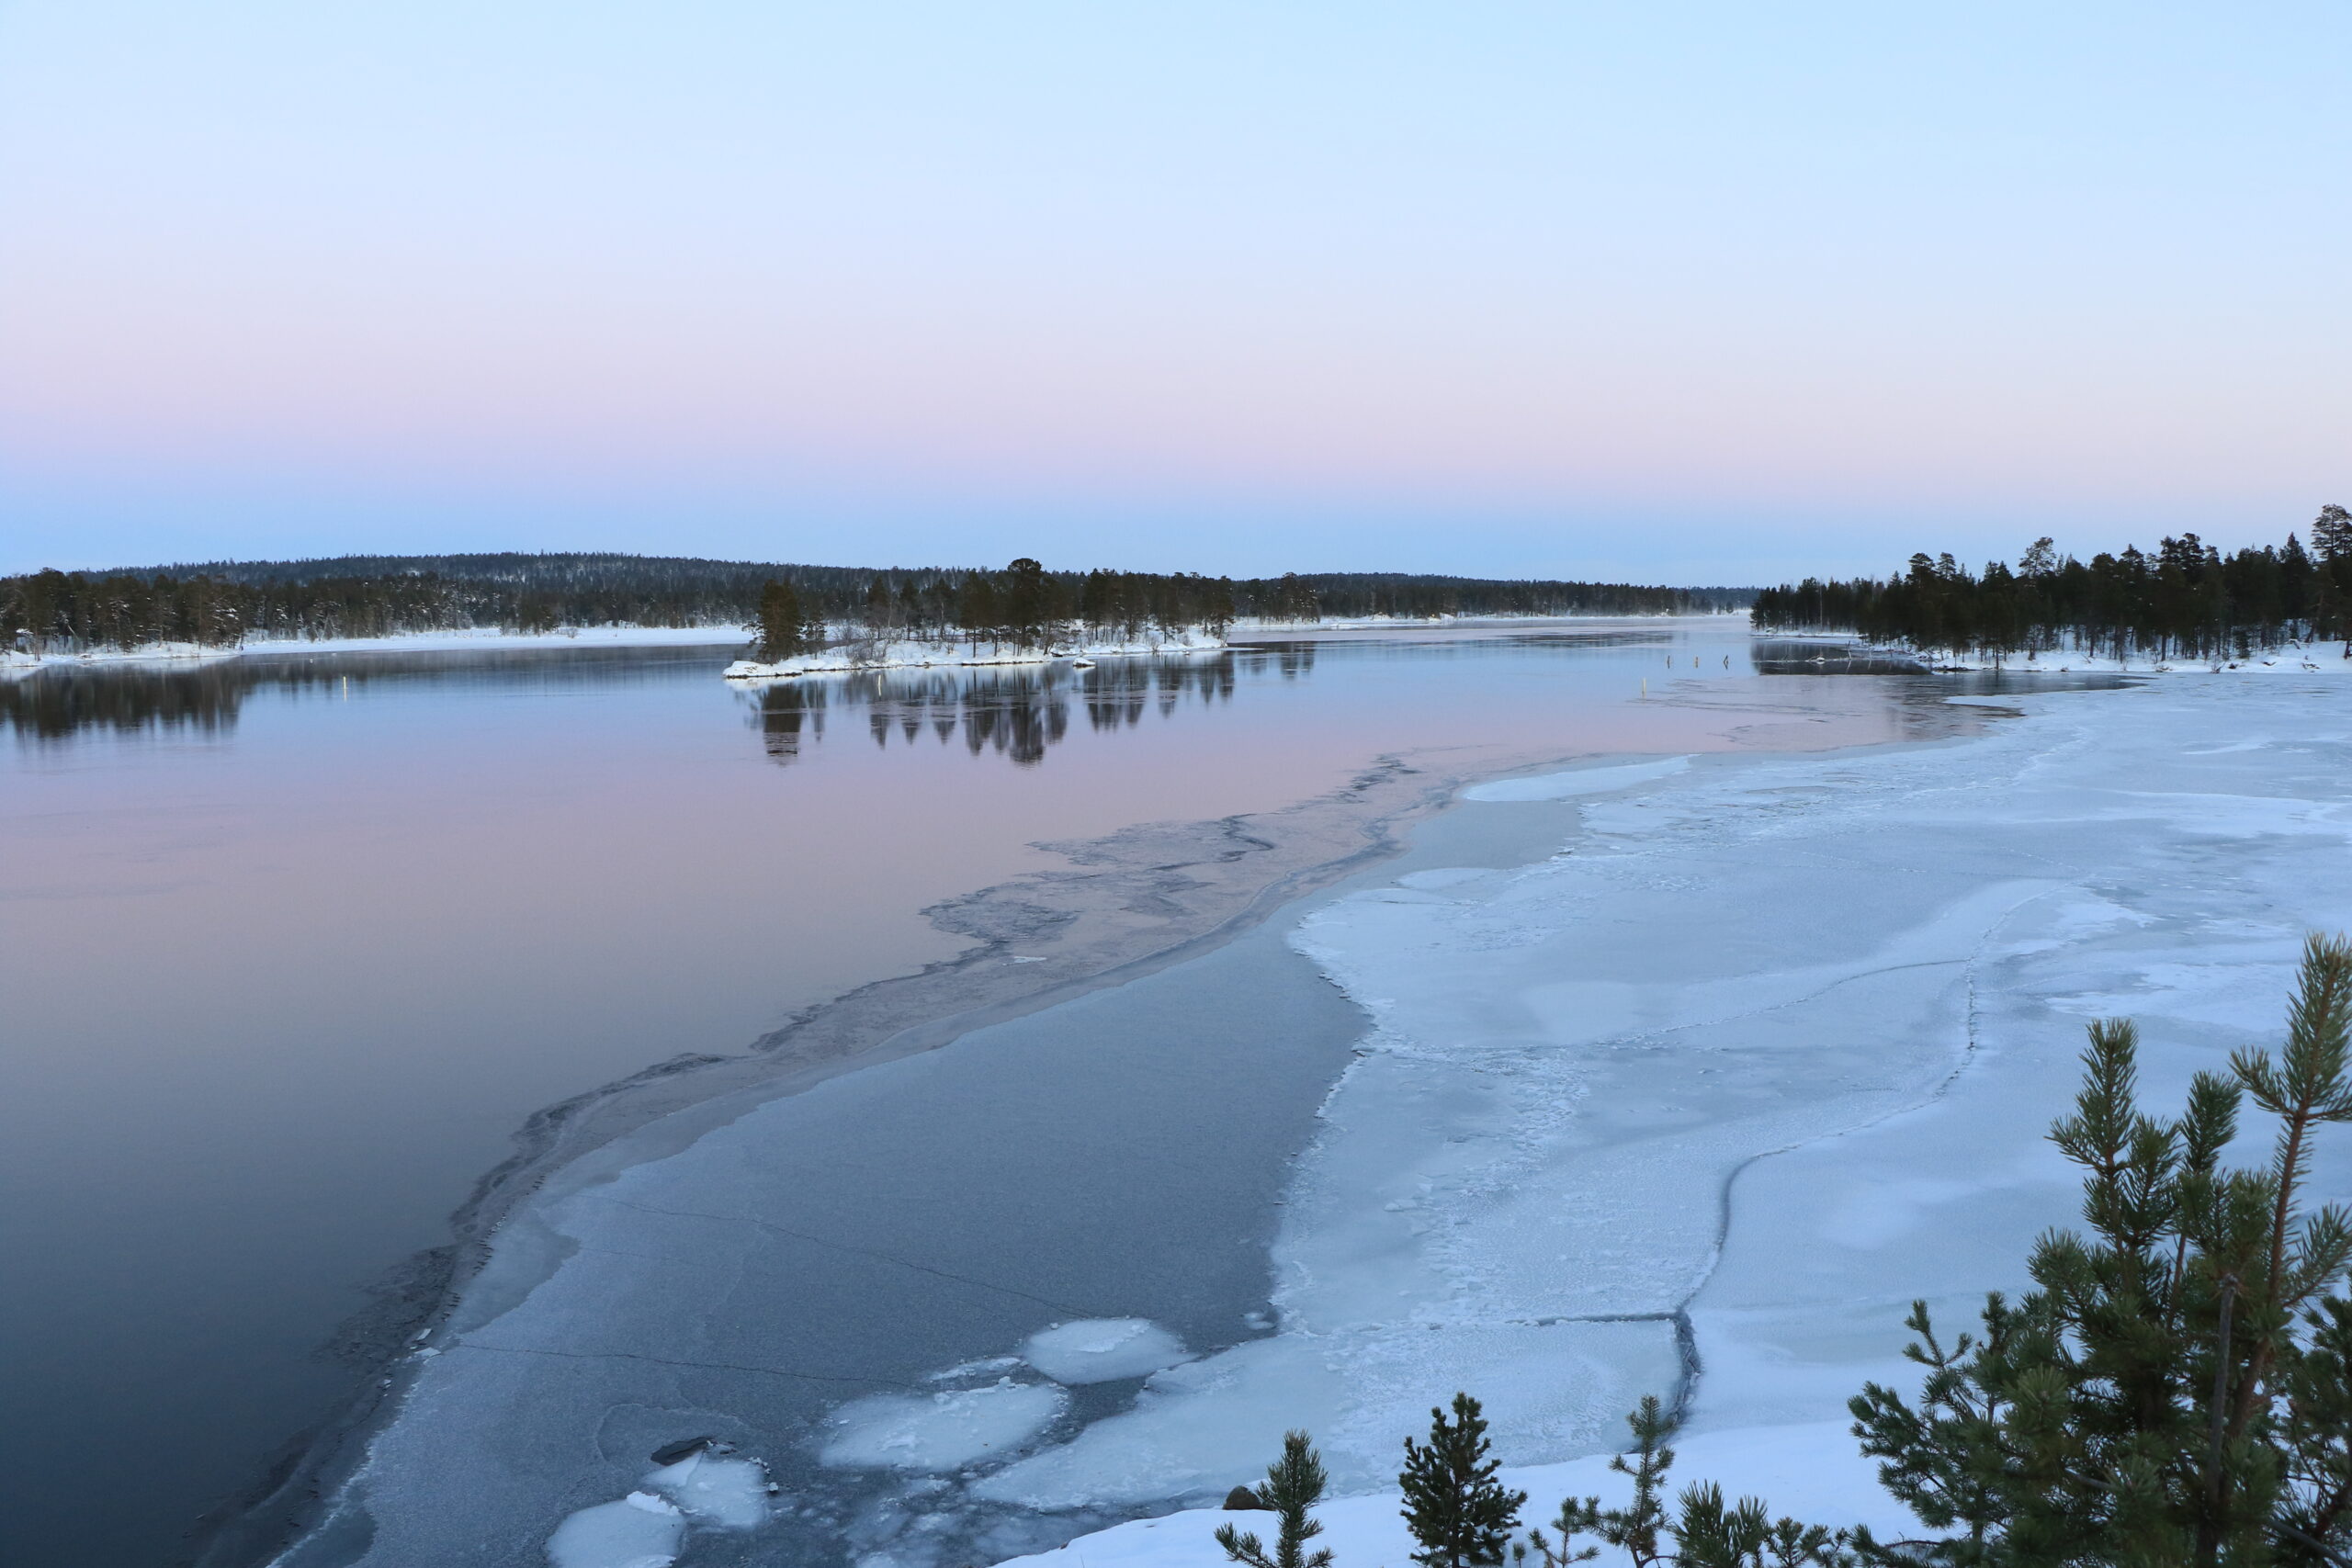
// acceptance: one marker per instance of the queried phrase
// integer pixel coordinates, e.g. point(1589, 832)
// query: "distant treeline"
point(222, 604)
point(2184, 600)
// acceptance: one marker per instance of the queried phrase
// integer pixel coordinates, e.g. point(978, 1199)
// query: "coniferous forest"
point(2184, 600)
point(223, 603)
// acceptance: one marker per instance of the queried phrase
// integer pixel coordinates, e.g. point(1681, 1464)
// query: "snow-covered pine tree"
point(1457, 1510)
point(1293, 1484)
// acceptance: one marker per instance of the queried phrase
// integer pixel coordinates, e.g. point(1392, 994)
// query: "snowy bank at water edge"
point(1700, 1105)
point(923, 653)
point(458, 640)
point(16, 662)
point(2288, 658)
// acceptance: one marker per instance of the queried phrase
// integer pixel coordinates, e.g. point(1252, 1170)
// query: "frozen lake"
point(292, 947)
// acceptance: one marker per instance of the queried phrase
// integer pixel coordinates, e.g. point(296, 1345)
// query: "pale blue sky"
point(1706, 292)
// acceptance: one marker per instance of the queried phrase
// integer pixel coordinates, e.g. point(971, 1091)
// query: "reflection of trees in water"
point(53, 704)
point(57, 702)
point(1019, 712)
point(1797, 655)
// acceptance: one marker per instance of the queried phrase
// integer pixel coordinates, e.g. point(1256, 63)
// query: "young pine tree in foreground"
point(1699, 1533)
point(1293, 1484)
point(2175, 1390)
point(1457, 1510)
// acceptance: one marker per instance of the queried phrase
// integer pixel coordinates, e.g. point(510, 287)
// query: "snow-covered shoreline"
point(1766, 1052)
point(850, 655)
point(2289, 659)
point(483, 638)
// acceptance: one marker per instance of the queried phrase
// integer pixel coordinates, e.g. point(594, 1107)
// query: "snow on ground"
point(854, 654)
point(1699, 1104)
point(488, 639)
point(2291, 659)
point(1810, 1473)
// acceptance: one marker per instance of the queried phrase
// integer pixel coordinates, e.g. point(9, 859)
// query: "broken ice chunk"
point(641, 1530)
point(1100, 1350)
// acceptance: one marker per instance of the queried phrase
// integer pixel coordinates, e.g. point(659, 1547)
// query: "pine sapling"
point(1293, 1484)
point(1457, 1510)
point(1703, 1531)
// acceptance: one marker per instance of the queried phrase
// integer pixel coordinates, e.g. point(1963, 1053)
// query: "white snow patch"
point(852, 654)
point(1576, 781)
point(935, 1432)
point(730, 1492)
point(1812, 1472)
point(641, 1530)
point(1101, 1349)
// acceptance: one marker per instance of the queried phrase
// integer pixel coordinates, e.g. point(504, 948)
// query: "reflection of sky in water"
point(290, 945)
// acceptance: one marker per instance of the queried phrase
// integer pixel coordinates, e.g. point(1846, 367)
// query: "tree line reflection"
point(1019, 712)
point(203, 700)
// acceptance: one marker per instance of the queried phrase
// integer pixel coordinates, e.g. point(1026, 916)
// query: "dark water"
point(289, 946)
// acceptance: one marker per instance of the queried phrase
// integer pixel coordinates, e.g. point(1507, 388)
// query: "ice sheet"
point(1767, 1051)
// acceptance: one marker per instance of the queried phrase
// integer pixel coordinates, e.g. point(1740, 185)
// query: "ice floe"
point(641, 1530)
point(935, 1432)
point(732, 1494)
point(1104, 1350)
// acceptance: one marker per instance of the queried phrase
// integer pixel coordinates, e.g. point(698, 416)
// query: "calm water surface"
point(289, 946)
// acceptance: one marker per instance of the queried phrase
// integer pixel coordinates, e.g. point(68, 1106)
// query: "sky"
point(1695, 293)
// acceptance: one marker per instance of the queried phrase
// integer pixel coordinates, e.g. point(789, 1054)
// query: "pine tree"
point(1293, 1484)
point(2174, 1391)
point(1454, 1507)
point(783, 625)
point(1705, 1533)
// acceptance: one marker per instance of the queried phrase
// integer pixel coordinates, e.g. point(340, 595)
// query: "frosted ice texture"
point(1101, 1349)
point(940, 1431)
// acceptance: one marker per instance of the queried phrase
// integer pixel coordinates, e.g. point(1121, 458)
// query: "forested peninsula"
point(2184, 600)
point(224, 604)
